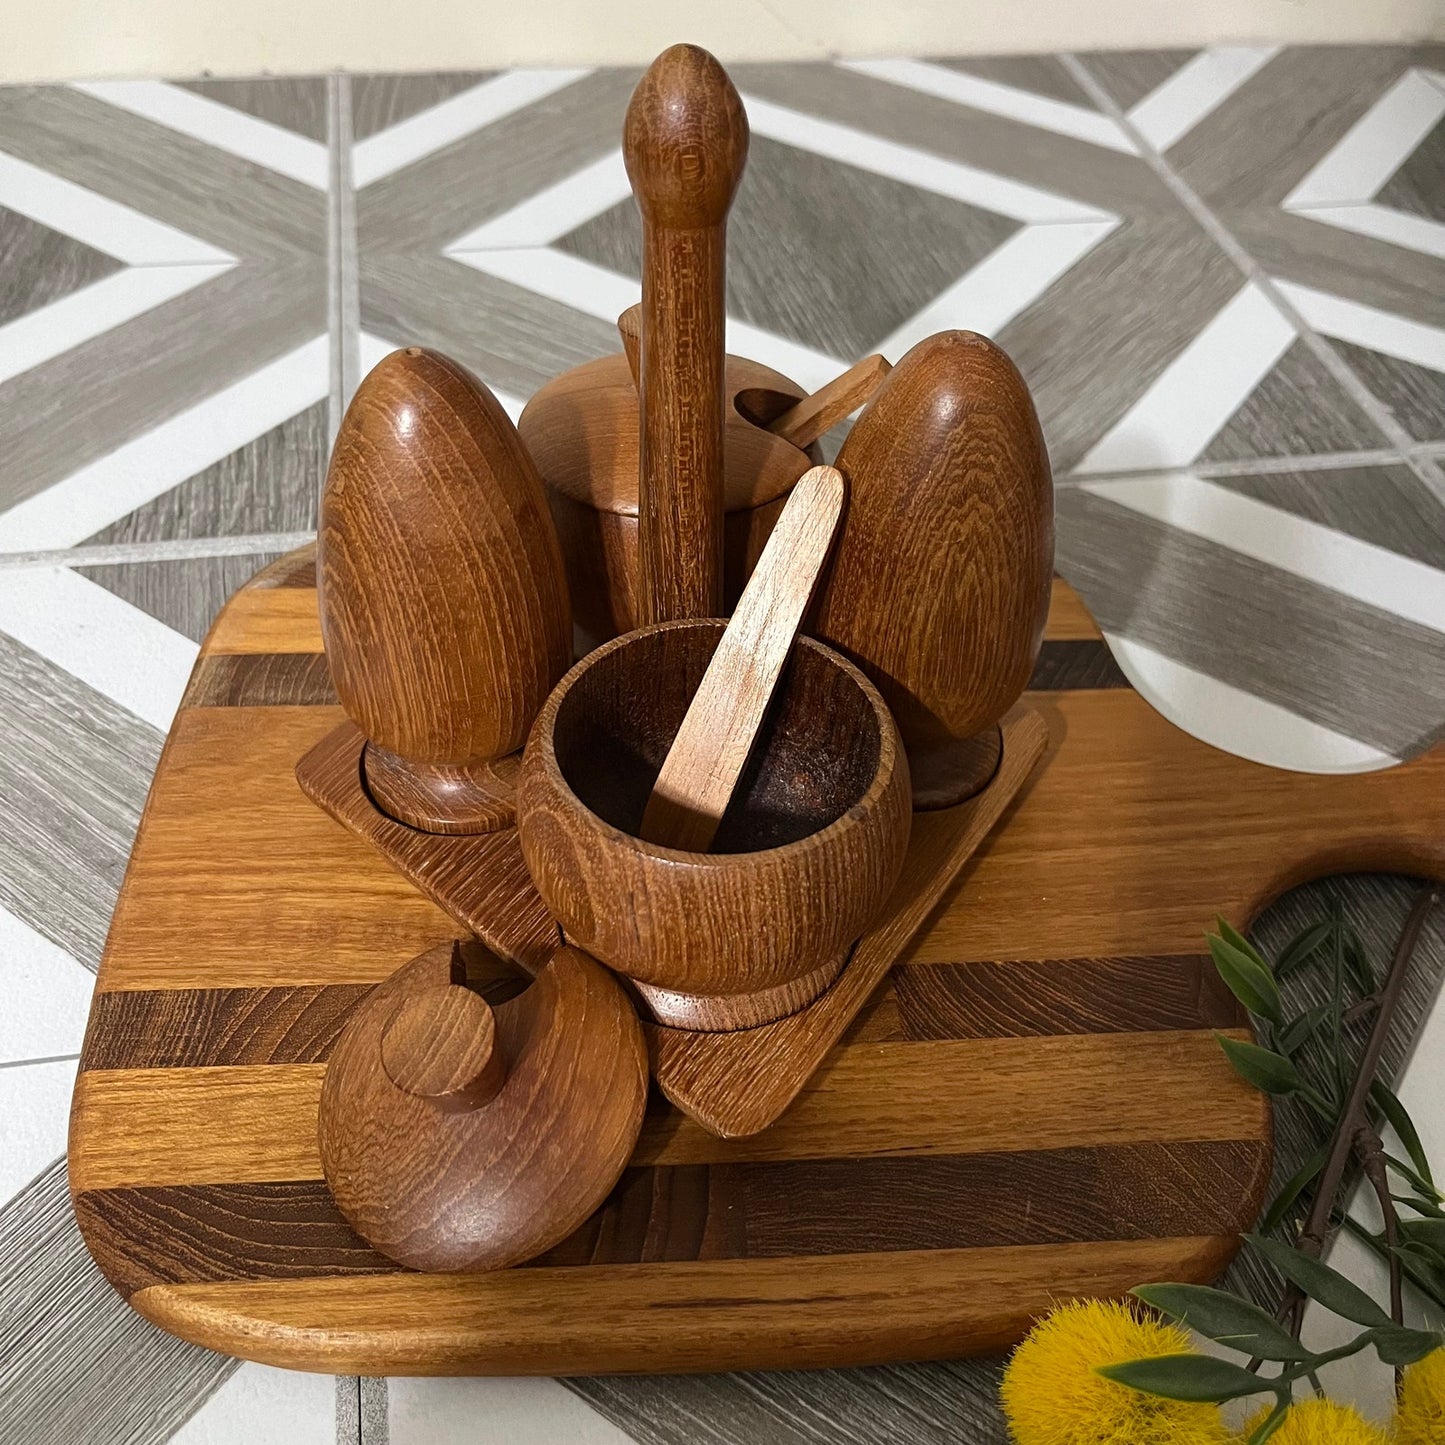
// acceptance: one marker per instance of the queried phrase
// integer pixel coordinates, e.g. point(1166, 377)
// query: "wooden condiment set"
point(714, 811)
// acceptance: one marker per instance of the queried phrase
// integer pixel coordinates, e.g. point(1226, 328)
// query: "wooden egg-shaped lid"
point(581, 430)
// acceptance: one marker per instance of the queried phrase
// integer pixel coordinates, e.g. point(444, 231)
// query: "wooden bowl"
point(803, 859)
point(581, 429)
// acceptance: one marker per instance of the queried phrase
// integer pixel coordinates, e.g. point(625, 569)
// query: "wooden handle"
point(805, 421)
point(711, 748)
point(685, 142)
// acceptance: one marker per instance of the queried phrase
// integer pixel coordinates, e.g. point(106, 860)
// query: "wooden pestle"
point(711, 748)
point(940, 586)
point(443, 604)
point(685, 142)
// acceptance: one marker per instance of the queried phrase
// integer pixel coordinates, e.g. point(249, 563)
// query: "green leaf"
point(1321, 1283)
point(1427, 1232)
point(1396, 1345)
point(1427, 1207)
point(1224, 1317)
point(1422, 1187)
point(1399, 1120)
point(1357, 962)
point(1271, 1422)
point(1236, 939)
point(1291, 1190)
point(1187, 1377)
point(1247, 979)
point(1292, 1037)
point(1301, 948)
point(1263, 1068)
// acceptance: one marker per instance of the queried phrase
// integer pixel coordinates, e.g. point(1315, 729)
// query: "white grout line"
point(1383, 418)
point(178, 549)
point(1254, 466)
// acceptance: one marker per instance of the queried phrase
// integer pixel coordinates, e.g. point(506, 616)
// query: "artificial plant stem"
point(1316, 1226)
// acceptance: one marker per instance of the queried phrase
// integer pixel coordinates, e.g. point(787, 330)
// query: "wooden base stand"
point(737, 1083)
point(479, 878)
point(436, 798)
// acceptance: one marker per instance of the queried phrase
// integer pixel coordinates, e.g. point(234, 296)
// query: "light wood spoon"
point(712, 746)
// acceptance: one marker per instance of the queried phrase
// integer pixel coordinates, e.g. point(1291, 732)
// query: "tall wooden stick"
point(685, 142)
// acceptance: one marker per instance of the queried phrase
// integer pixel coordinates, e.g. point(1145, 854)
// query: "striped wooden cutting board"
point(1033, 1106)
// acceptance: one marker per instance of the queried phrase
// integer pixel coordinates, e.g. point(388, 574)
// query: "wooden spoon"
point(711, 747)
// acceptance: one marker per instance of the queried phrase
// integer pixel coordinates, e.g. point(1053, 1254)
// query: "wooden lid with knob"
point(455, 1136)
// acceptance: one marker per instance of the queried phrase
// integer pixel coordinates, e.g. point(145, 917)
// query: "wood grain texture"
point(1095, 891)
point(940, 587)
point(718, 730)
point(582, 428)
point(739, 1083)
point(456, 1137)
point(443, 605)
point(805, 854)
point(805, 421)
point(478, 878)
point(685, 142)
point(705, 1316)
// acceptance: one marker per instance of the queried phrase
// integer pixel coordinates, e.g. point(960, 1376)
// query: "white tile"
point(70, 320)
point(44, 994)
point(1197, 89)
point(1373, 149)
point(98, 221)
point(142, 468)
point(494, 1412)
point(555, 210)
point(223, 126)
point(1238, 722)
point(1368, 326)
point(1192, 398)
point(1382, 223)
point(1003, 285)
point(913, 167)
point(439, 125)
point(34, 1113)
point(105, 641)
point(262, 1406)
point(1368, 573)
point(1059, 116)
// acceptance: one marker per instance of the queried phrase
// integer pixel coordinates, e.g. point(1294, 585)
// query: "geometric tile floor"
point(1222, 273)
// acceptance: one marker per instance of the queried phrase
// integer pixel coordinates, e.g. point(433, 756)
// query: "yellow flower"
point(1052, 1396)
point(1318, 1421)
point(1420, 1419)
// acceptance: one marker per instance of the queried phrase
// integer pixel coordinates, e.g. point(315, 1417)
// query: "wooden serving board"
point(1032, 1106)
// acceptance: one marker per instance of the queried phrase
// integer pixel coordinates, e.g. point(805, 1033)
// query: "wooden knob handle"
point(685, 140)
point(441, 1044)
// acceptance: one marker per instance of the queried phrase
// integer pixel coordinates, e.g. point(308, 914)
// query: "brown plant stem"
point(1315, 1229)
point(1371, 1154)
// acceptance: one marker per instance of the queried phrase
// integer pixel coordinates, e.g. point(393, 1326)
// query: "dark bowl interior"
point(816, 755)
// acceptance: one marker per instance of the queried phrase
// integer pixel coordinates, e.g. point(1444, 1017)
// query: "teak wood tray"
point(1032, 1106)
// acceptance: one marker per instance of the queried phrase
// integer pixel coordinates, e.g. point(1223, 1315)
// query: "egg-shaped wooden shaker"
point(940, 585)
point(443, 603)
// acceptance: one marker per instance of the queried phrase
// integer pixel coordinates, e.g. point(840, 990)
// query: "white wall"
point(71, 39)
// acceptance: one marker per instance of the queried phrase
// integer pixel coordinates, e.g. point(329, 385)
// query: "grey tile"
point(1418, 186)
point(74, 773)
point(296, 103)
point(38, 265)
point(930, 1404)
point(1357, 669)
point(1130, 75)
point(1415, 394)
point(1387, 505)
point(1298, 408)
point(379, 101)
point(375, 1424)
point(269, 485)
point(77, 1365)
point(186, 594)
point(1094, 341)
point(794, 270)
point(1042, 74)
point(1090, 174)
